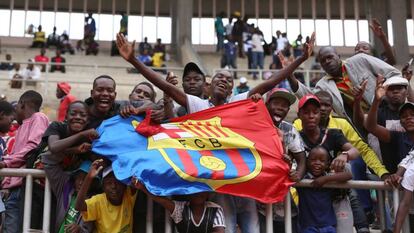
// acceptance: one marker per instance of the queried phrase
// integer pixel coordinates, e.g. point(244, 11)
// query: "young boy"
point(32, 126)
point(316, 212)
point(196, 215)
point(6, 118)
point(111, 210)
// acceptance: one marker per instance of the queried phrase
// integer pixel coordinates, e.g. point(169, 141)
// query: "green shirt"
point(71, 215)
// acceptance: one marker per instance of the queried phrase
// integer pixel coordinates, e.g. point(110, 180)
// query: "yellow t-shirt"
point(157, 59)
point(109, 218)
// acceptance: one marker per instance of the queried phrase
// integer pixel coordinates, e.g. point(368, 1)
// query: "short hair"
point(154, 94)
point(102, 77)
point(321, 147)
point(324, 94)
point(33, 98)
point(77, 102)
point(6, 108)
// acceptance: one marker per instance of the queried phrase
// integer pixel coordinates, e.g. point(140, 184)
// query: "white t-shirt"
point(177, 214)
point(257, 43)
point(32, 74)
point(281, 43)
point(196, 104)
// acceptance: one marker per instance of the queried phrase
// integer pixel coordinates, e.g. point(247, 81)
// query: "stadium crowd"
point(356, 123)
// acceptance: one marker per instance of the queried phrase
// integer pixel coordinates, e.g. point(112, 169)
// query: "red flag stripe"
point(238, 162)
point(191, 130)
point(189, 167)
point(199, 129)
point(208, 128)
point(218, 129)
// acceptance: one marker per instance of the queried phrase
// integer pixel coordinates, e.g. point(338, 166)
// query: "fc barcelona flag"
point(232, 149)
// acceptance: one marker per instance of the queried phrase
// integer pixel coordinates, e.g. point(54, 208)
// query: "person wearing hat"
point(65, 186)
point(368, 157)
point(112, 210)
point(278, 102)
point(242, 87)
point(63, 94)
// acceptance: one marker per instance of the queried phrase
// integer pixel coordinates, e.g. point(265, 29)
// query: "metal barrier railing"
point(29, 174)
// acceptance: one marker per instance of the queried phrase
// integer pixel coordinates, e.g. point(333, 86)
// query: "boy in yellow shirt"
point(112, 210)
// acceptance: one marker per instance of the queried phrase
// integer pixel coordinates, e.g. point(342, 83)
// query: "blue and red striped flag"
point(233, 149)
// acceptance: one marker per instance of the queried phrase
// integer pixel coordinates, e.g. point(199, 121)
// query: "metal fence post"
point(288, 214)
point(149, 215)
point(269, 218)
point(167, 222)
point(46, 207)
point(27, 203)
point(381, 206)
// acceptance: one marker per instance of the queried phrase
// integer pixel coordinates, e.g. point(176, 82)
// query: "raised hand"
point(126, 50)
point(256, 97)
point(96, 167)
point(308, 47)
point(379, 88)
point(407, 72)
point(171, 78)
point(358, 91)
point(377, 28)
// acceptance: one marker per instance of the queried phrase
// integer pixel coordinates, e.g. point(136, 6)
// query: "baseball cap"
point(191, 66)
point(282, 93)
point(107, 171)
point(396, 80)
point(405, 106)
point(243, 80)
point(84, 167)
point(309, 97)
point(64, 86)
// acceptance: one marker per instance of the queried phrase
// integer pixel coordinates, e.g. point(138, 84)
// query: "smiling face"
point(77, 117)
point(222, 85)
point(317, 161)
point(113, 189)
point(142, 92)
point(310, 115)
point(407, 119)
point(193, 83)
point(103, 95)
point(330, 61)
point(278, 108)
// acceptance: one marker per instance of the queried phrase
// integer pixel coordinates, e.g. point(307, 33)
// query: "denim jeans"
point(359, 169)
point(239, 210)
point(360, 219)
point(328, 229)
point(220, 42)
point(257, 60)
point(14, 207)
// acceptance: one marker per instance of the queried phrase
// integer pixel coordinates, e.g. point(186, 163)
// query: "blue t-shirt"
point(315, 207)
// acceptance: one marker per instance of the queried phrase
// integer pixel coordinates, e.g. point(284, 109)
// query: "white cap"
point(243, 80)
point(396, 80)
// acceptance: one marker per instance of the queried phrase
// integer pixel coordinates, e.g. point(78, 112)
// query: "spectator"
point(6, 119)
point(42, 58)
point(278, 102)
point(39, 39)
point(31, 73)
point(195, 215)
point(159, 47)
point(297, 46)
point(247, 45)
point(237, 33)
point(32, 126)
point(8, 65)
point(145, 58)
point(123, 24)
point(316, 212)
point(65, 98)
point(220, 31)
point(53, 39)
point(229, 58)
point(257, 51)
point(242, 87)
point(65, 45)
point(283, 45)
point(229, 27)
point(143, 91)
point(57, 60)
point(157, 62)
point(90, 29)
point(144, 46)
point(16, 77)
point(111, 210)
point(275, 51)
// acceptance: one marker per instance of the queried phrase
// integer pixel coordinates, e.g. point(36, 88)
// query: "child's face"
point(113, 189)
point(5, 122)
point(77, 117)
point(317, 162)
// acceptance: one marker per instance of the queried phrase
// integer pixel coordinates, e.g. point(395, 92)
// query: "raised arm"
point(96, 167)
point(284, 73)
point(57, 145)
point(407, 72)
point(378, 32)
point(382, 133)
point(358, 116)
point(127, 52)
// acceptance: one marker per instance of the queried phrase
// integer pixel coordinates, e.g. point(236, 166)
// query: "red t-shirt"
point(40, 58)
